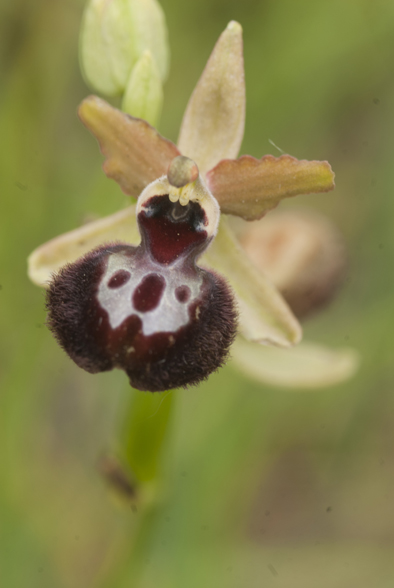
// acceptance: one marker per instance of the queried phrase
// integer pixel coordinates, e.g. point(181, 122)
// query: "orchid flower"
point(203, 172)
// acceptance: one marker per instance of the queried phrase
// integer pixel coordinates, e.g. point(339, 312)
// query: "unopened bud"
point(144, 92)
point(114, 35)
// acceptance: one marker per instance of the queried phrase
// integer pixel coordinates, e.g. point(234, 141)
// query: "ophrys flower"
point(138, 158)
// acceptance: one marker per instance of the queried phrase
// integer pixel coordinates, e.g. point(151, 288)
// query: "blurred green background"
point(266, 487)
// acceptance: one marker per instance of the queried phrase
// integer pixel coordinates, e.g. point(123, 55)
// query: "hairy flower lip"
point(149, 310)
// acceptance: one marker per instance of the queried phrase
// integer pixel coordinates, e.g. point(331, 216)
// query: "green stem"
point(142, 447)
point(128, 573)
point(144, 433)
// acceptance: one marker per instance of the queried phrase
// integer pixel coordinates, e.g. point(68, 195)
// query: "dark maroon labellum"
point(149, 310)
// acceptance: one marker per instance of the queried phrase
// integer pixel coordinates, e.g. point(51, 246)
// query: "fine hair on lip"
point(149, 310)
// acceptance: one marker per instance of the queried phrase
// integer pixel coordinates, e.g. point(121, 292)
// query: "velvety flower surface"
point(142, 162)
point(150, 310)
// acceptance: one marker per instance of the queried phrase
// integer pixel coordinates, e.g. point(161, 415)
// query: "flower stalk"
point(143, 433)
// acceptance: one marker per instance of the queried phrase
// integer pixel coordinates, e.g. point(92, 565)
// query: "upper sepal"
point(213, 124)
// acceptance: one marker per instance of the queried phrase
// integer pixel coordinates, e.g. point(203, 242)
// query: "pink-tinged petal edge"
point(250, 187)
point(135, 153)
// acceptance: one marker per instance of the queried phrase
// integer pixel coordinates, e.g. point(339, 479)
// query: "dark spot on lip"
point(148, 293)
point(120, 278)
point(183, 293)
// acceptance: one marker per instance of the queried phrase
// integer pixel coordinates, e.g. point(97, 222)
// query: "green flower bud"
point(143, 97)
point(114, 35)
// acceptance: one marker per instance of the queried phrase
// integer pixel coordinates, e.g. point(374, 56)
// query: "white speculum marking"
point(169, 315)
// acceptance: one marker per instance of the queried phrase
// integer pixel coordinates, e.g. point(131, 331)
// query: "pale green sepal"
point(114, 34)
point(213, 124)
point(306, 366)
point(264, 316)
point(143, 97)
point(50, 257)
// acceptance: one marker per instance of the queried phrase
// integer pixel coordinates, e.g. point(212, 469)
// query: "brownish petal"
point(250, 187)
point(135, 153)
